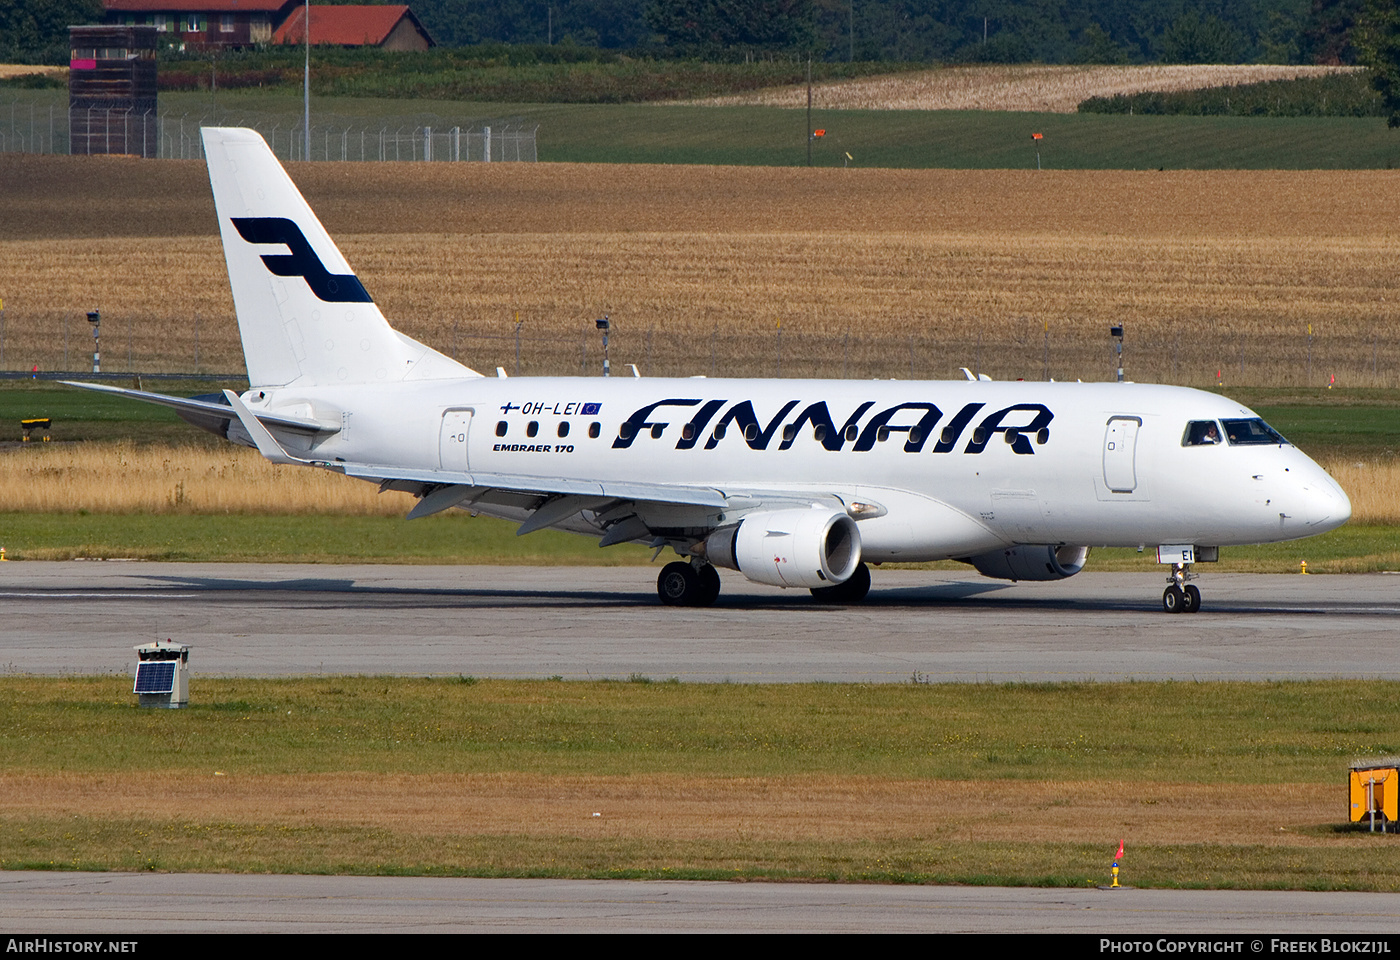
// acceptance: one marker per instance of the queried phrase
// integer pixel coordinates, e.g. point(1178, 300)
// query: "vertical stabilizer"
point(302, 314)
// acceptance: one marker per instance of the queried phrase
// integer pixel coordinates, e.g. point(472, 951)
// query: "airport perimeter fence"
point(28, 127)
point(152, 346)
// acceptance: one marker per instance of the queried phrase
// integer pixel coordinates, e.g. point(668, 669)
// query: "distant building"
point(387, 27)
point(112, 90)
point(236, 23)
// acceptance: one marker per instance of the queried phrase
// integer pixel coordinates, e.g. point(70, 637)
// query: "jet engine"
point(1031, 562)
point(788, 548)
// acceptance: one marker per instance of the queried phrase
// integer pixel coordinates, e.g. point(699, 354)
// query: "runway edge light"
point(162, 674)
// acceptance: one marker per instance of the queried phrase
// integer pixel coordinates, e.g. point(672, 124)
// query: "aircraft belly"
point(918, 528)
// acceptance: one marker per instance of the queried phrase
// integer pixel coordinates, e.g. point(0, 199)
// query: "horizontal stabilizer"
point(209, 408)
point(267, 444)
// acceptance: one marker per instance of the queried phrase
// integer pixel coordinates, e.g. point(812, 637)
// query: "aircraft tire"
point(852, 590)
point(709, 586)
point(1191, 599)
point(678, 585)
point(1173, 600)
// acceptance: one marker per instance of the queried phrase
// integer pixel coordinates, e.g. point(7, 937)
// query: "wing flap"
point(542, 486)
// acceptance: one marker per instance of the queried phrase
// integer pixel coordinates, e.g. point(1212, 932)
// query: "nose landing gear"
point(1180, 596)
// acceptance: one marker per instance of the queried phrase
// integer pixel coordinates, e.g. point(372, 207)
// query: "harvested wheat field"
point(1277, 278)
point(1034, 88)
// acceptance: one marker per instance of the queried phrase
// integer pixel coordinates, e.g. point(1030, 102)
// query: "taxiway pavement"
point(134, 904)
point(579, 622)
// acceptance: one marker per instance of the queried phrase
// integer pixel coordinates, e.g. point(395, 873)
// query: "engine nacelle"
point(1031, 562)
point(788, 548)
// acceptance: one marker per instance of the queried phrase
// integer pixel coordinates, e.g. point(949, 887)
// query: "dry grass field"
point(688, 808)
point(25, 69)
point(1250, 278)
point(124, 478)
point(1031, 88)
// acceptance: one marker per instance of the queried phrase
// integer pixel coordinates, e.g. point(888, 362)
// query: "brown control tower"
point(112, 90)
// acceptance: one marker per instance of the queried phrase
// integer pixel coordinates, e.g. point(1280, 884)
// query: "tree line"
point(906, 31)
point(969, 31)
point(966, 31)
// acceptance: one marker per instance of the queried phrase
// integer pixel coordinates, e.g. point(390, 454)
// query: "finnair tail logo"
point(302, 261)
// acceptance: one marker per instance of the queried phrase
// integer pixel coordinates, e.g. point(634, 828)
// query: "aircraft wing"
point(550, 501)
point(208, 409)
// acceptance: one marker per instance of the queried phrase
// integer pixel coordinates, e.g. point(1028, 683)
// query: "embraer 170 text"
point(794, 483)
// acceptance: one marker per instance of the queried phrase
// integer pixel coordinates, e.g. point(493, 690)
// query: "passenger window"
point(532, 428)
point(500, 428)
point(1201, 433)
point(563, 429)
point(594, 429)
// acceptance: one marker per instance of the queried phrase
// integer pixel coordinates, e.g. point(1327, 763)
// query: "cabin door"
point(1120, 454)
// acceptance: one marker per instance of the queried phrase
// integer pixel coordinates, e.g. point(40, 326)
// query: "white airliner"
point(794, 483)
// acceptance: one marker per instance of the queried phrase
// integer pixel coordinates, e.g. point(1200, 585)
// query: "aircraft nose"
point(1326, 504)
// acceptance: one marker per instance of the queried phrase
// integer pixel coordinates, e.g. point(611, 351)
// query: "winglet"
point(267, 444)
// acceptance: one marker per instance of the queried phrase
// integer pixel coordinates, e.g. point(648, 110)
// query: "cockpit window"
point(1201, 433)
point(1254, 431)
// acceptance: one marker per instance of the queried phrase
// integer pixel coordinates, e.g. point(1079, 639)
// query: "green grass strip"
point(456, 538)
point(450, 538)
point(914, 139)
point(193, 845)
point(1253, 733)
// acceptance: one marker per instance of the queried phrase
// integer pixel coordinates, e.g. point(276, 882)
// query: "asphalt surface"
point(134, 904)
point(575, 622)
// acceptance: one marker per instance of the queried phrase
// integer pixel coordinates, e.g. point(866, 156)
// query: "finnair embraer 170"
point(793, 483)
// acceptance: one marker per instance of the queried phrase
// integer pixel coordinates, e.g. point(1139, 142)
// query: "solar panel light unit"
point(162, 674)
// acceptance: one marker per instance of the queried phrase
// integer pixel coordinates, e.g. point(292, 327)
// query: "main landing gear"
point(1180, 596)
point(695, 583)
point(851, 590)
point(683, 584)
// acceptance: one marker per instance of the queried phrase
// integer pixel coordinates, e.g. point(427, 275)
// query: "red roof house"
point(213, 22)
point(389, 27)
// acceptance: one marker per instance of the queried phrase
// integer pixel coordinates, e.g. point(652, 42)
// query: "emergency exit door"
point(452, 446)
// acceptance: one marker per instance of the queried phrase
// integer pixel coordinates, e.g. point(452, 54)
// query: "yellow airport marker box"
point(1375, 789)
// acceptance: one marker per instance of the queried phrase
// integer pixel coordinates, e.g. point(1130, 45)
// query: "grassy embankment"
point(776, 136)
point(1212, 785)
point(906, 139)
